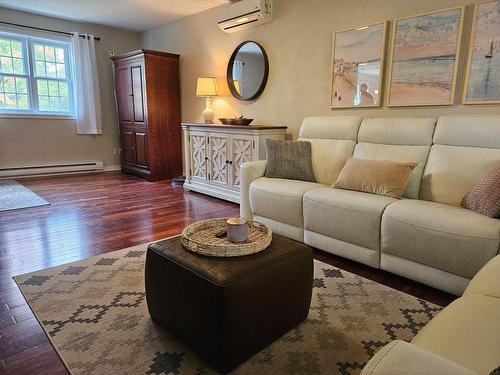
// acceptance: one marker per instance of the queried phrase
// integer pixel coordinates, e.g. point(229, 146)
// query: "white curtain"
point(86, 86)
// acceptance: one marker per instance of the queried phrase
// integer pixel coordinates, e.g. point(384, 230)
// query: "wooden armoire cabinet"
point(148, 104)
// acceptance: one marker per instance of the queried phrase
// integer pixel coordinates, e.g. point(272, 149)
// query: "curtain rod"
point(43, 29)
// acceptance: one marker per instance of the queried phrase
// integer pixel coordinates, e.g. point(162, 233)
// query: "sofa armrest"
point(400, 357)
point(249, 172)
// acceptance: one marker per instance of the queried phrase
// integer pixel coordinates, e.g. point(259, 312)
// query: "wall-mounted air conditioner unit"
point(245, 14)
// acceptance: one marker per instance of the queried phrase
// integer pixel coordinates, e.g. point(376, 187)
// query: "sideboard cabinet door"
point(242, 151)
point(219, 159)
point(199, 156)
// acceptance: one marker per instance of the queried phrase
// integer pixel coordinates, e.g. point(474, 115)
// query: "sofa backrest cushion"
point(332, 142)
point(400, 140)
point(465, 149)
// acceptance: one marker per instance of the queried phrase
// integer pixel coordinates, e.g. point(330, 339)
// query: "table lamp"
point(207, 87)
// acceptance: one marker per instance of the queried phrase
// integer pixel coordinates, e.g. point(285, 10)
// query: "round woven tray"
point(200, 238)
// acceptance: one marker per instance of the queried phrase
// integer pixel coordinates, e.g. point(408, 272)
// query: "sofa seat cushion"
point(279, 199)
point(449, 238)
point(466, 332)
point(350, 216)
point(487, 281)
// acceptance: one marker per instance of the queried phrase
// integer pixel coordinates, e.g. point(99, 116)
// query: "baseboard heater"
point(43, 170)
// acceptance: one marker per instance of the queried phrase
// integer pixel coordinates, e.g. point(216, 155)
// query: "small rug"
point(94, 312)
point(13, 196)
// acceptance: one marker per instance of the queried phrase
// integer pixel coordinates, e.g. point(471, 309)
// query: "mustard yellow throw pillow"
point(381, 177)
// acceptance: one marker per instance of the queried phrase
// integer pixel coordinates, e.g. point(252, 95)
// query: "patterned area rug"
point(13, 196)
point(95, 314)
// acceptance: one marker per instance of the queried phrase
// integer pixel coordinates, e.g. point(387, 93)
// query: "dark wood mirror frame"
point(229, 74)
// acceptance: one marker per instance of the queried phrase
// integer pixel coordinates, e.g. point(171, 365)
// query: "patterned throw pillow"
point(484, 197)
point(291, 160)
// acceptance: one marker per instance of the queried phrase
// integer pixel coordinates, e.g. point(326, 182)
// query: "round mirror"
point(247, 71)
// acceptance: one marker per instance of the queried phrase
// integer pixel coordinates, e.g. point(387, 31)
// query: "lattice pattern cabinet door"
point(242, 149)
point(213, 155)
point(199, 159)
point(219, 162)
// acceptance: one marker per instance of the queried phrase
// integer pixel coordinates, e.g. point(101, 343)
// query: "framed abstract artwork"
point(424, 58)
point(482, 81)
point(358, 61)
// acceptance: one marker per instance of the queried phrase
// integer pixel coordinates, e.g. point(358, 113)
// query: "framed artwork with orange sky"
point(424, 58)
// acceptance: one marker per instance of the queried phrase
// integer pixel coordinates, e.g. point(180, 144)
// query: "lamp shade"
point(207, 86)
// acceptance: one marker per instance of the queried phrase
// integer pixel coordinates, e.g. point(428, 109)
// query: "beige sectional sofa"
point(463, 339)
point(426, 236)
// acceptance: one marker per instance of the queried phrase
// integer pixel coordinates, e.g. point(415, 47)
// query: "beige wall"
point(45, 141)
point(299, 45)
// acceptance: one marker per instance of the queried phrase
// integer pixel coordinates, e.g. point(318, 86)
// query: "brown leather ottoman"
point(228, 309)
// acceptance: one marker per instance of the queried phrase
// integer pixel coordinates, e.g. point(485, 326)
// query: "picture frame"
point(483, 60)
point(417, 78)
point(357, 69)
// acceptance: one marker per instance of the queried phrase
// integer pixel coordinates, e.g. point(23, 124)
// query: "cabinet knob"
point(231, 162)
point(227, 161)
point(206, 157)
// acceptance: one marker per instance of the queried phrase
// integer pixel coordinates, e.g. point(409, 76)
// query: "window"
point(35, 76)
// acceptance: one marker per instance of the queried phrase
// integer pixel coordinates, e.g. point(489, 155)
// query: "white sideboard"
point(213, 155)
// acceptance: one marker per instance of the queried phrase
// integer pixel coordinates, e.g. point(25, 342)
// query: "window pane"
point(18, 66)
point(5, 47)
point(14, 92)
point(65, 104)
point(43, 103)
point(17, 49)
point(10, 101)
point(9, 85)
point(39, 52)
point(40, 68)
point(60, 55)
point(63, 89)
point(61, 70)
point(11, 56)
point(6, 65)
point(53, 88)
point(53, 96)
point(54, 103)
point(21, 85)
point(42, 87)
point(22, 101)
point(50, 54)
point(51, 69)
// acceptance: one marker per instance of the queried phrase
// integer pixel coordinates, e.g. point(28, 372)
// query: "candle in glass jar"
point(237, 229)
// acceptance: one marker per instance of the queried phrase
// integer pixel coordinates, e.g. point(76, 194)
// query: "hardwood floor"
point(98, 213)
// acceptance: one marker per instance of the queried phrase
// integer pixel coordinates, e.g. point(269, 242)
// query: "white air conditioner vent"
point(245, 14)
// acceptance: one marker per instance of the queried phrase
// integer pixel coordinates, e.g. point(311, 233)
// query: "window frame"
point(28, 45)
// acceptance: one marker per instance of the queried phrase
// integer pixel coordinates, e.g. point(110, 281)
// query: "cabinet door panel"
point(219, 153)
point(129, 155)
point(138, 93)
point(199, 156)
point(241, 152)
point(141, 149)
point(124, 94)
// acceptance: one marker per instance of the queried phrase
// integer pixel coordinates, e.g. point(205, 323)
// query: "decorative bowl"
point(236, 121)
